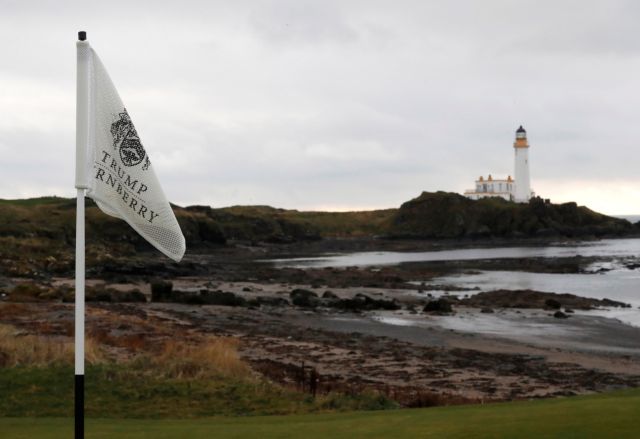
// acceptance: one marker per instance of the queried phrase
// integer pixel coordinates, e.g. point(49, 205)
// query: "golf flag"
point(119, 173)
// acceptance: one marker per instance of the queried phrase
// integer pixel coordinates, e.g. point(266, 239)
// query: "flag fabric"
point(120, 175)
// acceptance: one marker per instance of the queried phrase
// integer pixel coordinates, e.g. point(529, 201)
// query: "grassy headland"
point(43, 229)
point(37, 235)
point(432, 215)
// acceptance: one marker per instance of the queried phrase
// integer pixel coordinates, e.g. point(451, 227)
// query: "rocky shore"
point(353, 329)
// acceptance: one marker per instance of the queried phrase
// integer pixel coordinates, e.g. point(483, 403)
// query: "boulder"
point(362, 302)
point(560, 315)
point(221, 298)
point(161, 291)
point(304, 298)
point(438, 306)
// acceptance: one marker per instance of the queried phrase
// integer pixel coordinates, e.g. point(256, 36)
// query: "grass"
point(611, 415)
point(180, 360)
point(202, 376)
point(328, 224)
point(33, 201)
point(17, 349)
point(135, 390)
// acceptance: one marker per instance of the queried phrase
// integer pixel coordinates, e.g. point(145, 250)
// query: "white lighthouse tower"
point(523, 182)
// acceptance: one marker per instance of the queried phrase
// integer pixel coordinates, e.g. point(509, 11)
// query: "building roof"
point(521, 130)
point(490, 179)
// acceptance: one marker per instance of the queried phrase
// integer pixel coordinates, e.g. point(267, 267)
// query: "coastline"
point(344, 333)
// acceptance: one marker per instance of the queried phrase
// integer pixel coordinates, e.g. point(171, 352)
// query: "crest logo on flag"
point(127, 142)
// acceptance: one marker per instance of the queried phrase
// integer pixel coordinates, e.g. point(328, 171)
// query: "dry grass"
point(18, 349)
point(132, 343)
point(207, 357)
point(13, 309)
point(213, 356)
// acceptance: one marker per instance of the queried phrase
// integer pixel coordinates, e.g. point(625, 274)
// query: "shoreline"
point(357, 352)
point(335, 321)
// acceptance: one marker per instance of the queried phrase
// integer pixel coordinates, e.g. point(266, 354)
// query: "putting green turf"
point(613, 415)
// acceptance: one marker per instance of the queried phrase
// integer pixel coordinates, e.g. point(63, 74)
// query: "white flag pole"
point(82, 139)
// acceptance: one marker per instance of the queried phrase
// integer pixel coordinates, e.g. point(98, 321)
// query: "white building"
point(491, 187)
point(518, 190)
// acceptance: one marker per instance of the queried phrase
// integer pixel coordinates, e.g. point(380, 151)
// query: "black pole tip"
point(82, 35)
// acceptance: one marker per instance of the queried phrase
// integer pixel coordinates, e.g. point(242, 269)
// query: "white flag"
point(120, 174)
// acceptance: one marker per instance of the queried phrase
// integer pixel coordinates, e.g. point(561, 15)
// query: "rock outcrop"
point(448, 215)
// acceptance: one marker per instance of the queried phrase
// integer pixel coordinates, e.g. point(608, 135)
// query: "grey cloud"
point(298, 22)
point(328, 103)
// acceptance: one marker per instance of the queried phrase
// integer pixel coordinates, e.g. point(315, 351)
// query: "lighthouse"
point(523, 182)
point(518, 189)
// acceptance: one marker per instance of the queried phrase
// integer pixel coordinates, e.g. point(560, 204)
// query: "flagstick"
point(82, 139)
point(79, 347)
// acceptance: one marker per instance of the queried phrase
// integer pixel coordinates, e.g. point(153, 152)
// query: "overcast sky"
point(334, 104)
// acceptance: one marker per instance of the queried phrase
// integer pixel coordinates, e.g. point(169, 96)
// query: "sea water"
point(618, 283)
point(606, 247)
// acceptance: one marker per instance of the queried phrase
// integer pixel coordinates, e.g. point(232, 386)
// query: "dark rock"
point(207, 297)
point(133, 296)
point(362, 302)
point(560, 315)
point(191, 299)
point(613, 303)
point(486, 310)
point(448, 215)
point(99, 296)
point(438, 306)
point(161, 291)
point(535, 299)
point(100, 293)
point(329, 295)
point(269, 301)
point(552, 304)
point(221, 298)
point(304, 298)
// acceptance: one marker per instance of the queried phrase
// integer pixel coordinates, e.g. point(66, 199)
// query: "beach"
point(365, 327)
